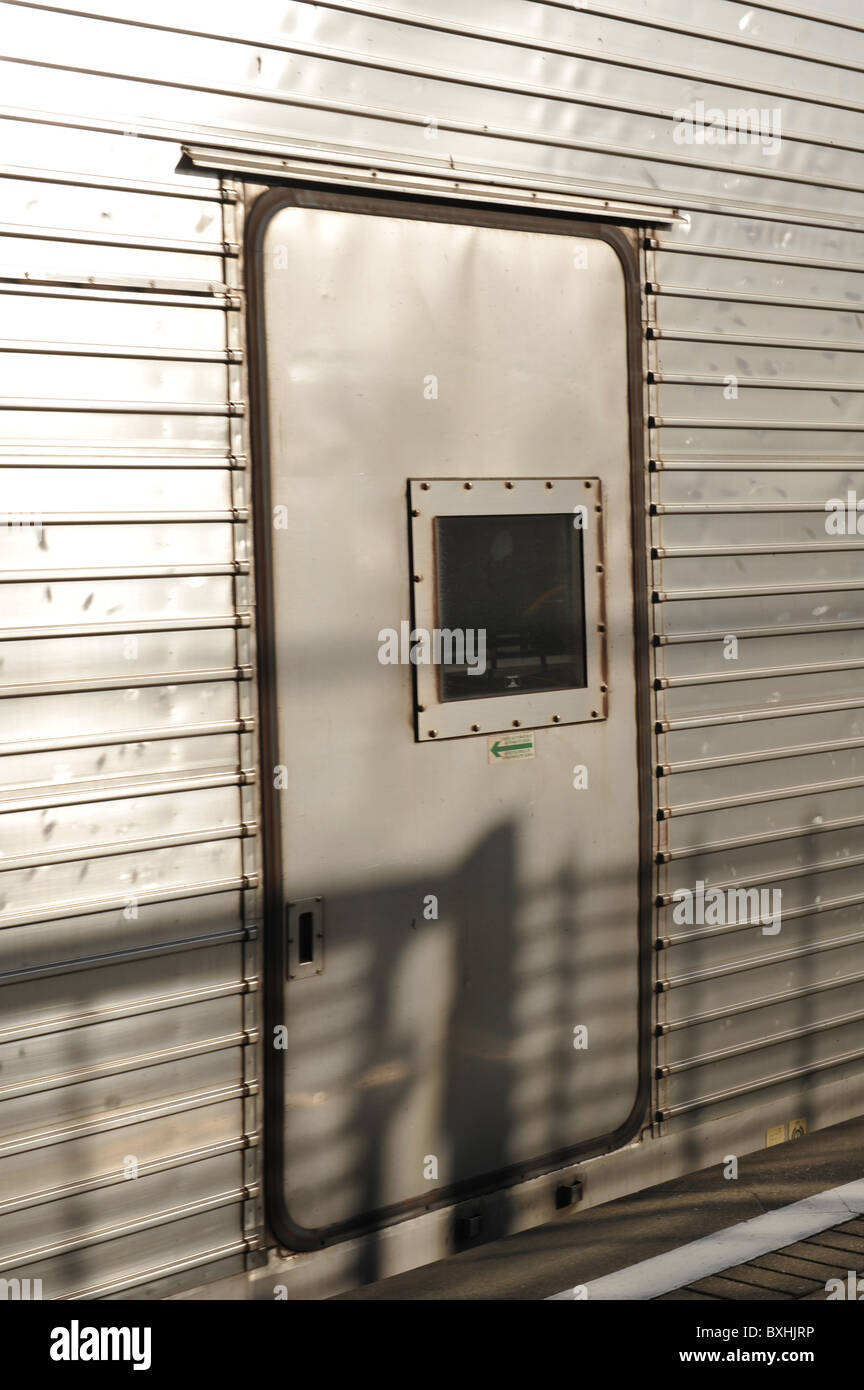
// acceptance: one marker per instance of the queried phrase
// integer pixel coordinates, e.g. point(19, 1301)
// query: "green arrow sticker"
point(505, 748)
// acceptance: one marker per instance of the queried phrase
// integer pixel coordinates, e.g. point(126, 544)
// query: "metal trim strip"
point(722, 1054)
point(78, 407)
point(168, 518)
point(155, 1273)
point(749, 716)
point(125, 353)
point(136, 1008)
point(685, 335)
point(120, 1119)
point(668, 639)
point(114, 1178)
point(813, 909)
point(757, 673)
point(169, 948)
point(225, 621)
point(751, 1005)
point(716, 462)
point(821, 866)
point(143, 243)
point(729, 253)
point(390, 172)
point(815, 586)
point(124, 790)
point(123, 1065)
point(202, 677)
point(229, 567)
point(199, 193)
point(728, 803)
point(761, 755)
point(739, 967)
point(145, 1223)
point(109, 849)
point(833, 306)
point(91, 907)
point(792, 1074)
point(763, 383)
point(794, 832)
point(656, 422)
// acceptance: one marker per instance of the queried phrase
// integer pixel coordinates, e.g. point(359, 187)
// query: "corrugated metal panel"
point(761, 754)
point(760, 758)
point(127, 817)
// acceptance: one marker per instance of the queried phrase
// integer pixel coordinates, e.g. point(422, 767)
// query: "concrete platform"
point(578, 1249)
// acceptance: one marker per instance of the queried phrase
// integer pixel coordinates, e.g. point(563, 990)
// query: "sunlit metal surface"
point(105, 246)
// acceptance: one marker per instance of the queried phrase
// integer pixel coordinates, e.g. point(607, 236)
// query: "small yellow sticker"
point(776, 1135)
point(797, 1129)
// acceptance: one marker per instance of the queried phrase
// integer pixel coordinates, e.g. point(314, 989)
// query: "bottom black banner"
point(257, 1339)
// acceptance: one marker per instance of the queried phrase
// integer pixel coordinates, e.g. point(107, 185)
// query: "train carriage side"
point(325, 323)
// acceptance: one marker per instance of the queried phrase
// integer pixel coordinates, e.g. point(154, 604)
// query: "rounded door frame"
point(266, 205)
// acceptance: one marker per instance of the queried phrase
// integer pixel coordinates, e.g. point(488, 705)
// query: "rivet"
point(594, 714)
point(418, 578)
point(475, 728)
point(425, 486)
point(433, 733)
point(517, 723)
point(508, 484)
point(556, 719)
point(467, 486)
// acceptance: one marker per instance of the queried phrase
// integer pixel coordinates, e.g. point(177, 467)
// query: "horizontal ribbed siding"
point(129, 310)
point(761, 757)
point(127, 816)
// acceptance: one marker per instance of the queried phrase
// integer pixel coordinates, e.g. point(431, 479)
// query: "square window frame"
point(476, 716)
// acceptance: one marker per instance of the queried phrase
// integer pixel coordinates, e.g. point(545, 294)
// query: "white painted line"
point(734, 1245)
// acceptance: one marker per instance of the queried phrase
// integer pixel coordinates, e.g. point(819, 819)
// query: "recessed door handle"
point(304, 931)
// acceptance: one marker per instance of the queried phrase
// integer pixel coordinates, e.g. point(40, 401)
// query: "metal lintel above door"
point(390, 171)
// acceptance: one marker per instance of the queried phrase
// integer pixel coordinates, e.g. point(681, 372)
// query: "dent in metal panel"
point(177, 757)
point(65, 209)
point(123, 816)
point(103, 600)
point(65, 547)
point(128, 877)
